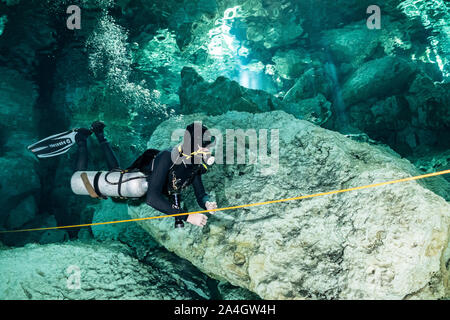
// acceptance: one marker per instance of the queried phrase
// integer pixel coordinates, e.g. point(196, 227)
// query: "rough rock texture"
point(230, 292)
point(128, 233)
point(25, 212)
point(145, 248)
point(381, 243)
point(434, 161)
point(316, 110)
point(290, 64)
point(354, 43)
point(377, 78)
point(386, 120)
point(198, 95)
point(107, 272)
point(213, 98)
point(41, 237)
point(410, 121)
point(429, 103)
point(148, 251)
point(312, 82)
point(18, 96)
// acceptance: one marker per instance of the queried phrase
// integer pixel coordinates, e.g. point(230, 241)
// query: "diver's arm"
point(199, 190)
point(155, 197)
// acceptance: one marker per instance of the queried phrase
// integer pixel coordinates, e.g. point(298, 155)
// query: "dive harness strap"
point(88, 186)
point(94, 191)
point(120, 183)
point(97, 190)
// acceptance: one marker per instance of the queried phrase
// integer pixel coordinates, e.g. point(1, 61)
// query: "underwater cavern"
point(326, 95)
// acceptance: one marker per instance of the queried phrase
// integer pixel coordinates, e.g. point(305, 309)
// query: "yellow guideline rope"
point(246, 205)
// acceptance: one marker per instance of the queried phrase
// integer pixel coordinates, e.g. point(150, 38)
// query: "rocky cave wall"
point(137, 63)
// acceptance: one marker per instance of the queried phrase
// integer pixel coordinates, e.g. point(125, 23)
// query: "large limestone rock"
point(198, 95)
point(14, 190)
point(428, 103)
point(354, 43)
point(129, 233)
point(222, 95)
point(377, 78)
point(409, 120)
point(19, 179)
point(19, 239)
point(312, 82)
point(316, 110)
point(290, 64)
point(389, 242)
point(147, 250)
point(383, 120)
point(107, 271)
point(21, 41)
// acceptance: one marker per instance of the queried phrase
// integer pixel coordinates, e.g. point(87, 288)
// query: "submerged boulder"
point(388, 242)
point(429, 103)
point(377, 78)
point(407, 121)
point(129, 233)
point(198, 95)
point(353, 43)
point(19, 239)
point(290, 64)
point(383, 120)
point(147, 250)
point(106, 271)
point(222, 95)
point(316, 110)
point(312, 82)
point(19, 178)
point(23, 213)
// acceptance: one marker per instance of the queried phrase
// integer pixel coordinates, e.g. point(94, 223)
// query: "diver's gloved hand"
point(82, 134)
point(197, 219)
point(211, 205)
point(97, 127)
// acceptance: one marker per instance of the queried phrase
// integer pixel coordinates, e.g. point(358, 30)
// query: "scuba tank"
point(129, 183)
point(102, 184)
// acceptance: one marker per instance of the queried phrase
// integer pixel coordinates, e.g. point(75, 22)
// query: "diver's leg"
point(82, 153)
point(111, 159)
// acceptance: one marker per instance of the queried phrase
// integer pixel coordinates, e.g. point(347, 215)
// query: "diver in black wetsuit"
point(171, 170)
point(81, 140)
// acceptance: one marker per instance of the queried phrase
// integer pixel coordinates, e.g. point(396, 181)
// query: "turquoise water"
point(122, 61)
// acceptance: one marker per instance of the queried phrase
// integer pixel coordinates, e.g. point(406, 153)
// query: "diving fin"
point(54, 145)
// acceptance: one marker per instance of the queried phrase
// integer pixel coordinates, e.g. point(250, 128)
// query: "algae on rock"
point(387, 242)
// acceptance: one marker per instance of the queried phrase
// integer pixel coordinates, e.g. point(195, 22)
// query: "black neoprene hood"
point(196, 135)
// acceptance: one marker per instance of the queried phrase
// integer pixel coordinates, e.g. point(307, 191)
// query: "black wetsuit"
point(160, 180)
point(161, 183)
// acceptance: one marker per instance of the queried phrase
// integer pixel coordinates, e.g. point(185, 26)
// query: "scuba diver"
point(166, 173)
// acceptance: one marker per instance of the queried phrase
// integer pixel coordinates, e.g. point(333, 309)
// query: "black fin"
point(54, 145)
